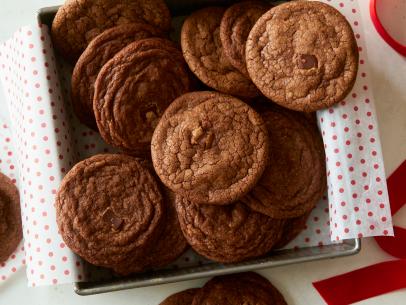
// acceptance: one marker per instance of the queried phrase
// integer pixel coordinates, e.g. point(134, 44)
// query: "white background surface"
point(389, 86)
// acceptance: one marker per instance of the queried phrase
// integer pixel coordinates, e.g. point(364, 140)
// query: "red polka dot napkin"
point(49, 140)
point(357, 191)
point(362, 283)
point(42, 143)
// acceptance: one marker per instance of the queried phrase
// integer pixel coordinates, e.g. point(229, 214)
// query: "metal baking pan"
point(275, 259)
point(209, 269)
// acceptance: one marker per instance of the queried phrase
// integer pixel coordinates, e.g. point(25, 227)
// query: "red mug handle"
point(400, 48)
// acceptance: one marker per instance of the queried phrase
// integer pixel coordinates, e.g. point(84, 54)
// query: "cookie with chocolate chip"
point(100, 50)
point(109, 209)
point(235, 26)
point(240, 288)
point(210, 147)
point(77, 22)
point(295, 178)
point(303, 55)
point(11, 231)
point(229, 233)
point(204, 53)
point(133, 90)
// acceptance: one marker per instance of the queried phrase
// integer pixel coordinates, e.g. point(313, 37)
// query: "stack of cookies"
point(233, 171)
point(126, 70)
point(301, 55)
point(241, 288)
point(244, 182)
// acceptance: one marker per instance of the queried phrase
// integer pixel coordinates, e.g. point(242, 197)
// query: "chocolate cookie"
point(99, 51)
point(184, 297)
point(291, 229)
point(77, 22)
point(134, 88)
point(303, 55)
point(167, 248)
point(11, 231)
point(202, 49)
point(295, 178)
point(173, 243)
point(230, 233)
point(210, 147)
point(235, 27)
point(109, 209)
point(237, 289)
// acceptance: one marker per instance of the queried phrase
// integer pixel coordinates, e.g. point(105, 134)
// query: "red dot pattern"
point(35, 96)
point(358, 199)
point(317, 230)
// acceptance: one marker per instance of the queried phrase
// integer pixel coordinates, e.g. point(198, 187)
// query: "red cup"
point(376, 11)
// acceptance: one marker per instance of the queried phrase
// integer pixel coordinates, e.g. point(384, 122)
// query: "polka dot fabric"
point(357, 192)
point(43, 151)
point(8, 167)
point(317, 229)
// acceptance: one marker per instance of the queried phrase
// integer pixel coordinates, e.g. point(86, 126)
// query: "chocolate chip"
point(116, 222)
point(110, 217)
point(306, 61)
point(209, 140)
point(196, 135)
point(201, 137)
point(149, 113)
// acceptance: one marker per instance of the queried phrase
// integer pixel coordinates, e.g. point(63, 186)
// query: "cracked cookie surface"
point(295, 179)
point(109, 209)
point(229, 233)
point(100, 51)
point(202, 49)
point(237, 289)
point(235, 26)
point(210, 147)
point(77, 22)
point(303, 55)
point(11, 231)
point(127, 102)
